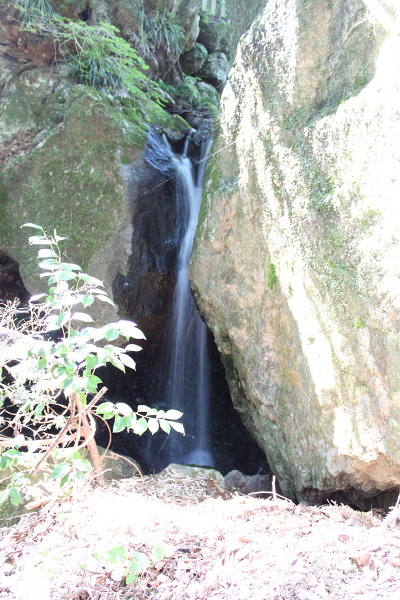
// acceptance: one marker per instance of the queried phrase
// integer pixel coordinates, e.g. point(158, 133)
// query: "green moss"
point(72, 182)
point(272, 278)
point(359, 323)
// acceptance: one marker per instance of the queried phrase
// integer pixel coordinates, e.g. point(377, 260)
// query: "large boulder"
point(74, 162)
point(215, 34)
point(296, 265)
point(208, 93)
point(188, 13)
point(215, 69)
point(192, 61)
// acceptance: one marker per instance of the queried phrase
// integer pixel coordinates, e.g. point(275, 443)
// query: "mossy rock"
point(193, 60)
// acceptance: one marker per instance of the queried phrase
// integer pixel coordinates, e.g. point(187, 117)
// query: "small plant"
point(35, 10)
point(99, 57)
point(163, 31)
point(65, 365)
point(129, 566)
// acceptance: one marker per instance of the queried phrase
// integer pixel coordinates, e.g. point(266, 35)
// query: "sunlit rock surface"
point(297, 259)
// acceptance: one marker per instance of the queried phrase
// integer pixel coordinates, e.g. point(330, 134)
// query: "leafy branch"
point(45, 370)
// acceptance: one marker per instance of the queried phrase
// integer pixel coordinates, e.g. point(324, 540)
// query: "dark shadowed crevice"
point(11, 284)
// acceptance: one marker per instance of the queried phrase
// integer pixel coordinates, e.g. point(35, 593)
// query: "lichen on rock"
point(306, 179)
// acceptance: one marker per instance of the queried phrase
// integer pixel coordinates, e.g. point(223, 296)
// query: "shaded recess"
point(144, 294)
point(11, 284)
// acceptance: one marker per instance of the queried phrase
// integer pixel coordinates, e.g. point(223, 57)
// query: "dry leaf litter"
point(220, 545)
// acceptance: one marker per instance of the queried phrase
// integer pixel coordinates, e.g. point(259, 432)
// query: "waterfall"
point(185, 347)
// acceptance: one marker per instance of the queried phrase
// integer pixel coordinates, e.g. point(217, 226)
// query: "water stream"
point(185, 349)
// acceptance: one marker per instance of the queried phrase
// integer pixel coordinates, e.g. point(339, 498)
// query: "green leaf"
point(140, 563)
point(58, 238)
point(123, 409)
point(39, 240)
point(49, 263)
point(106, 407)
point(132, 348)
point(82, 465)
point(32, 225)
point(90, 279)
point(131, 578)
point(127, 361)
point(106, 299)
point(61, 276)
point(79, 316)
point(117, 554)
point(65, 479)
point(111, 334)
point(150, 412)
point(39, 408)
point(140, 426)
point(61, 470)
point(63, 318)
point(117, 363)
point(177, 426)
point(15, 496)
point(119, 424)
point(70, 267)
point(46, 253)
point(87, 300)
point(165, 426)
point(153, 425)
point(157, 554)
point(42, 362)
point(92, 362)
point(160, 414)
point(129, 329)
point(4, 495)
point(173, 414)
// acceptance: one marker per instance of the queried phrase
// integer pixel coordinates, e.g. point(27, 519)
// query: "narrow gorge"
point(293, 367)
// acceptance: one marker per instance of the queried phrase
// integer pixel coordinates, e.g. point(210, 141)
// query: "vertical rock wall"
point(297, 259)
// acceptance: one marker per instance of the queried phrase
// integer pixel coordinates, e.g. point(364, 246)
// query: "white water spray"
point(187, 386)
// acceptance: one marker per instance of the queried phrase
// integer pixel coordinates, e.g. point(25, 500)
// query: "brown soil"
point(217, 545)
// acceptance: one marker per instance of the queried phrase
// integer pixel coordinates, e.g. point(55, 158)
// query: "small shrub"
point(164, 31)
point(45, 368)
point(98, 56)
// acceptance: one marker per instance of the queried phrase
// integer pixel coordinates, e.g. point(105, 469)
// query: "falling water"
point(187, 387)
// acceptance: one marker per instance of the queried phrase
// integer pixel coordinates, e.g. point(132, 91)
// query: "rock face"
point(215, 34)
point(192, 61)
point(215, 69)
point(72, 161)
point(296, 265)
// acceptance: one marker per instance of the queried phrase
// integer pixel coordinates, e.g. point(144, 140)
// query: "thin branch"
point(68, 425)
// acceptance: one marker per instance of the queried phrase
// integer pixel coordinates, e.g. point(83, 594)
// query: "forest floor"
point(202, 542)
